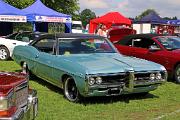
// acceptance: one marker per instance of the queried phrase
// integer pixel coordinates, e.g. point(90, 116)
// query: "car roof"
point(127, 38)
point(72, 35)
point(30, 32)
point(67, 35)
point(141, 36)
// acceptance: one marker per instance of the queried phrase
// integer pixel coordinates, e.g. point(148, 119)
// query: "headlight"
point(91, 81)
point(98, 80)
point(3, 104)
point(152, 76)
point(158, 76)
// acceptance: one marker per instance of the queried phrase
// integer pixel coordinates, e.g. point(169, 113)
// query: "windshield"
point(77, 26)
point(84, 46)
point(170, 42)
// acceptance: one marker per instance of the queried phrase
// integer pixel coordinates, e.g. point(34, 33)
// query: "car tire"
point(71, 92)
point(177, 74)
point(4, 53)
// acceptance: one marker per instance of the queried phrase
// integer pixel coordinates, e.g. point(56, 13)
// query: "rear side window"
point(126, 42)
point(46, 45)
point(139, 42)
point(143, 43)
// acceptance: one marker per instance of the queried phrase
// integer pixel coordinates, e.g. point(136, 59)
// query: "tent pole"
point(34, 26)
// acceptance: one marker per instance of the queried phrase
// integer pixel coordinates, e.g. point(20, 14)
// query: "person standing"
point(102, 31)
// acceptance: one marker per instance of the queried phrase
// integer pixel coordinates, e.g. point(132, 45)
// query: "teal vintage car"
point(87, 65)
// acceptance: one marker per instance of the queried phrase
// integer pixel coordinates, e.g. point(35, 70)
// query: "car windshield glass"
point(84, 46)
point(11, 36)
point(170, 42)
point(77, 26)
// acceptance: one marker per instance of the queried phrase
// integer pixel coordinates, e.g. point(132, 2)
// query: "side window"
point(144, 43)
point(126, 42)
point(46, 45)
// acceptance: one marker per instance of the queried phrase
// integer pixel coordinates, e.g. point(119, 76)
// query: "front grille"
point(112, 79)
point(21, 94)
point(142, 76)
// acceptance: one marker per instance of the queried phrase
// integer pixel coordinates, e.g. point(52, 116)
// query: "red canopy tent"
point(109, 19)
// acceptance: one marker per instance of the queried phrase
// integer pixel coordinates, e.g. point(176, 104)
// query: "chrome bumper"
point(27, 112)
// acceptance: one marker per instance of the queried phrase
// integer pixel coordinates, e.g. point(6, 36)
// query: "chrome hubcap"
point(70, 89)
point(3, 54)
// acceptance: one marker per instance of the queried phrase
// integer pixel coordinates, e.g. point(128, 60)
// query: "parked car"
point(77, 27)
point(87, 65)
point(17, 100)
point(7, 43)
point(161, 49)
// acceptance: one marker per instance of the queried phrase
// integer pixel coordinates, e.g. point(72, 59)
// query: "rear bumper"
point(27, 112)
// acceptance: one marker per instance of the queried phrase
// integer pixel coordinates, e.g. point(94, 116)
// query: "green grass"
point(163, 102)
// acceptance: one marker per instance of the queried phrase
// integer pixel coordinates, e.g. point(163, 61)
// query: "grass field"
point(161, 104)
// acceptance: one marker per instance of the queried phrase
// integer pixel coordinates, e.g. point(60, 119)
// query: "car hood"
point(177, 51)
point(111, 63)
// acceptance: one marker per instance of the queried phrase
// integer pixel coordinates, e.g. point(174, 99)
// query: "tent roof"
point(7, 9)
point(152, 18)
point(113, 18)
point(173, 22)
point(39, 9)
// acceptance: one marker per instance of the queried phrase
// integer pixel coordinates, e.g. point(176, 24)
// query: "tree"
point(19, 3)
point(146, 12)
point(169, 18)
point(86, 15)
point(70, 7)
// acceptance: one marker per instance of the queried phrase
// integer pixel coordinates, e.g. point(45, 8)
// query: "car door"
point(159, 55)
point(44, 60)
point(147, 48)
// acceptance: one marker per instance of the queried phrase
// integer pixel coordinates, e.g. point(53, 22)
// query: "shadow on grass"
point(46, 84)
point(98, 100)
point(113, 99)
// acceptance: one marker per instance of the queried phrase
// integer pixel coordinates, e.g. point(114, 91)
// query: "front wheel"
point(177, 74)
point(4, 53)
point(70, 90)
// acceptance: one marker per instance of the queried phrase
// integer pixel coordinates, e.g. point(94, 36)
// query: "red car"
point(161, 49)
point(17, 100)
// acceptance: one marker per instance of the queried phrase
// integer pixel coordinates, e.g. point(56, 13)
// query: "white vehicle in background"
point(7, 43)
point(77, 27)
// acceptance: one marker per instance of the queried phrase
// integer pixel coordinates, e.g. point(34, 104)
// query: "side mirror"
point(153, 48)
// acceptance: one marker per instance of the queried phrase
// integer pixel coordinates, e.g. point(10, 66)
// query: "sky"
point(132, 8)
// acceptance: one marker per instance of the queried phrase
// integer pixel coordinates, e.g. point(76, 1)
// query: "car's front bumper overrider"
point(27, 112)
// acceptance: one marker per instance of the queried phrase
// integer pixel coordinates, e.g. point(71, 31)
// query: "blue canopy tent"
point(173, 22)
point(152, 18)
point(8, 15)
point(38, 13)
